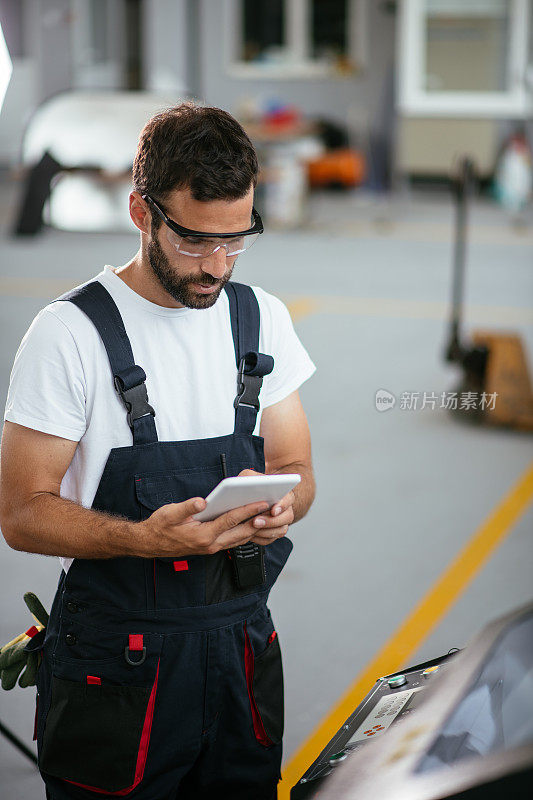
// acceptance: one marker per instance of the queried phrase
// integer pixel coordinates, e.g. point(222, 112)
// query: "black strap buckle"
point(135, 400)
point(248, 388)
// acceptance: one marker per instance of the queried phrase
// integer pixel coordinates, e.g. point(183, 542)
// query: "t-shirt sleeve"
point(47, 388)
point(292, 364)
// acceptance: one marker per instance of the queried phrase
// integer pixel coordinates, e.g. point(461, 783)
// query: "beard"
point(180, 287)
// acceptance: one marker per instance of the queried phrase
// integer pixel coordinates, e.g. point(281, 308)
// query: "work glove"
point(15, 660)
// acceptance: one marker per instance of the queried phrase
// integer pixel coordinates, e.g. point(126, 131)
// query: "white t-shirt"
point(61, 381)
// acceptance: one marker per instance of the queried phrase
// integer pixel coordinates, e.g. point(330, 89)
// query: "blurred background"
point(395, 142)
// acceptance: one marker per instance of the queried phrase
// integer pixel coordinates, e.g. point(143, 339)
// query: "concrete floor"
point(399, 493)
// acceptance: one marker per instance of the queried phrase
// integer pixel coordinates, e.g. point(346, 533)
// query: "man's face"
point(196, 282)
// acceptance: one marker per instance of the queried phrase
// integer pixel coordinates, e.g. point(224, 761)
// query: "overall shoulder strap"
point(129, 379)
point(252, 366)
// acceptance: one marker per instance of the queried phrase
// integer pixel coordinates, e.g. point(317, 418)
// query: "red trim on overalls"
point(94, 680)
point(36, 717)
point(135, 641)
point(259, 729)
point(31, 632)
point(180, 566)
point(142, 753)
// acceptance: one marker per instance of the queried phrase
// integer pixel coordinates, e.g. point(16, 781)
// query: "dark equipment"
point(248, 559)
point(492, 363)
point(471, 738)
point(393, 697)
point(472, 359)
point(36, 192)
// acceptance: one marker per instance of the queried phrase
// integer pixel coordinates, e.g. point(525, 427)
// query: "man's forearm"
point(54, 526)
point(304, 493)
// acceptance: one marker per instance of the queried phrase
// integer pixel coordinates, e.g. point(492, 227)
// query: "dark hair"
point(199, 147)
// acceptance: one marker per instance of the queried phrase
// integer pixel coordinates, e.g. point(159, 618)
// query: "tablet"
point(240, 491)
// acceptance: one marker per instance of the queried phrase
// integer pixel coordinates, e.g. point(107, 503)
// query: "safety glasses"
point(200, 244)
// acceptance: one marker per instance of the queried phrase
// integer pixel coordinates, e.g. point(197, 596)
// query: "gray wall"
point(48, 27)
point(40, 35)
point(184, 47)
point(352, 100)
point(165, 28)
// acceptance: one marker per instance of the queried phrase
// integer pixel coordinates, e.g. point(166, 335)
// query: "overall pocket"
point(155, 490)
point(98, 726)
point(264, 679)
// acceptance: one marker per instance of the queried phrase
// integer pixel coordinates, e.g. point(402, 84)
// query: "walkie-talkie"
point(248, 560)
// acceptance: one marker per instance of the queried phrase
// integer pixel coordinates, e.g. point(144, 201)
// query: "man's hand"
point(275, 524)
point(172, 531)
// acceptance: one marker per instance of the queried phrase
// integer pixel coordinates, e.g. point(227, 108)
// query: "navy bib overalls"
point(160, 678)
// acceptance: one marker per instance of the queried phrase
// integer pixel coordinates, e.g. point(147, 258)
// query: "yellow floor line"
point(301, 306)
point(396, 308)
point(405, 231)
point(417, 626)
point(33, 287)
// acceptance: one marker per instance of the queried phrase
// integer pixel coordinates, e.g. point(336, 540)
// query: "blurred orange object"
point(344, 167)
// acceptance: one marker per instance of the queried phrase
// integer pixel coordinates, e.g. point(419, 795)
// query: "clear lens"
point(236, 246)
point(202, 248)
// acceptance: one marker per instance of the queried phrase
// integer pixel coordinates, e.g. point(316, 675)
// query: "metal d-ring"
point(134, 663)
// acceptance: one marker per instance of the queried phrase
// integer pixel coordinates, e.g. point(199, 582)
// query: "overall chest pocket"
point(153, 491)
point(99, 719)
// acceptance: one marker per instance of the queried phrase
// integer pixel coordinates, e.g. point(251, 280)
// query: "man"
point(161, 670)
